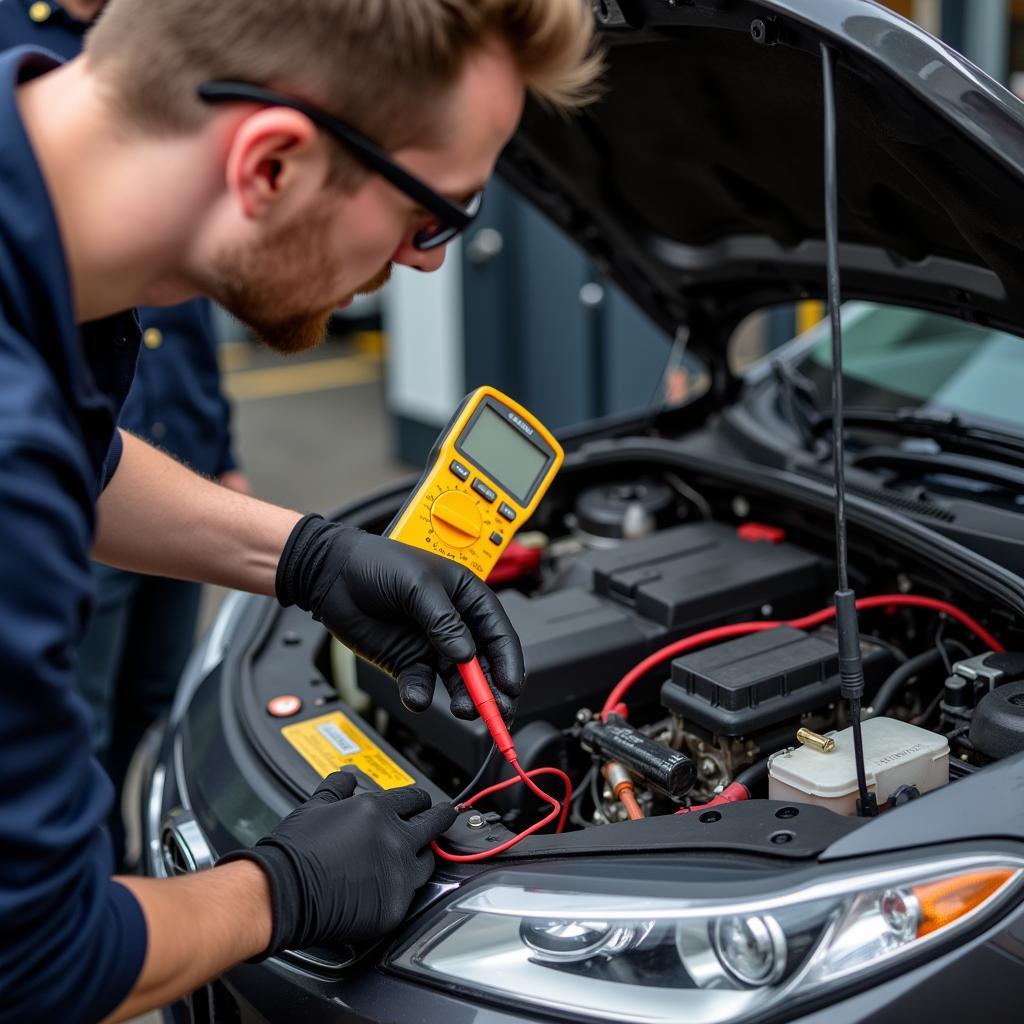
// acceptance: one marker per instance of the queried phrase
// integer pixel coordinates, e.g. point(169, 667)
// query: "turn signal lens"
point(946, 901)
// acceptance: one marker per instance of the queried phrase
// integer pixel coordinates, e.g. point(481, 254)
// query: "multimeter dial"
point(455, 517)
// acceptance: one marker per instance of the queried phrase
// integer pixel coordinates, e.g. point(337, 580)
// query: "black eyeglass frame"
point(452, 219)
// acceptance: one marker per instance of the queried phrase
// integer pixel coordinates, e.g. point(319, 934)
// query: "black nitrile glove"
point(344, 868)
point(411, 613)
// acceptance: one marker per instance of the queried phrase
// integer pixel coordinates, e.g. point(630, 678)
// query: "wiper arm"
point(799, 404)
point(952, 432)
point(966, 467)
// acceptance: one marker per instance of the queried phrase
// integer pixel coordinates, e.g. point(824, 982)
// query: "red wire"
point(626, 683)
point(558, 810)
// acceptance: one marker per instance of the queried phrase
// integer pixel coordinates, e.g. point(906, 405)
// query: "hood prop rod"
point(851, 668)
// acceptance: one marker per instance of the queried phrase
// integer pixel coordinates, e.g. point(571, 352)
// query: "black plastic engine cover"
point(744, 686)
point(614, 608)
point(703, 574)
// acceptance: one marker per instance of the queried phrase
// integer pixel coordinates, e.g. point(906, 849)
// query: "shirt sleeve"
point(212, 382)
point(72, 941)
point(113, 459)
point(227, 460)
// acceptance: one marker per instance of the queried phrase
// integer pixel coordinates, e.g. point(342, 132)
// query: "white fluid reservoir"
point(895, 754)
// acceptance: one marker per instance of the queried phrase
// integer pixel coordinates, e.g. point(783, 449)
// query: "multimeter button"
point(484, 491)
point(459, 470)
point(507, 511)
point(496, 538)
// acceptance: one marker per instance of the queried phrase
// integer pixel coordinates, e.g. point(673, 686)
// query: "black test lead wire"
point(851, 669)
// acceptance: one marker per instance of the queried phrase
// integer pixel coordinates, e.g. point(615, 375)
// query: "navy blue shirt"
point(176, 401)
point(72, 941)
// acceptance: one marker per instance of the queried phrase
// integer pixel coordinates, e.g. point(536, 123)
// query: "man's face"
point(261, 286)
point(287, 286)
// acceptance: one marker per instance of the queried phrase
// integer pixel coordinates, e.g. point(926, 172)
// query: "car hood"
point(696, 181)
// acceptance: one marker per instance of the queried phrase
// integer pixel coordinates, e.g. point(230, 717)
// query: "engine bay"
point(716, 615)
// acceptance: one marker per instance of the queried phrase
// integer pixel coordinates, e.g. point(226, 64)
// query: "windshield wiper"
point(952, 432)
point(928, 463)
point(798, 403)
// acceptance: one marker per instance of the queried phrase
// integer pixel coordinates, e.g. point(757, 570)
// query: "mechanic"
point(143, 627)
point(120, 186)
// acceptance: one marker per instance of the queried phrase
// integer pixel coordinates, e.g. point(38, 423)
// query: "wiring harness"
point(483, 699)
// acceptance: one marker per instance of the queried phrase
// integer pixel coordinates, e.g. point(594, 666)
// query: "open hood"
point(696, 182)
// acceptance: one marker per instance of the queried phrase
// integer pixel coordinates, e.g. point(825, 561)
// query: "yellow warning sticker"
point(332, 741)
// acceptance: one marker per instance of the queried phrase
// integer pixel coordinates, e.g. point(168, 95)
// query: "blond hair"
point(379, 65)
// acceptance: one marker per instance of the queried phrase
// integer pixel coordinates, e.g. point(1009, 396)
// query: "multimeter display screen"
point(508, 456)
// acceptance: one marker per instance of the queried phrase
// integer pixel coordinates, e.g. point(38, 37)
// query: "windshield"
point(894, 358)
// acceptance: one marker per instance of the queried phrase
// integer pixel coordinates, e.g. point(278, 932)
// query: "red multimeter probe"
point(487, 707)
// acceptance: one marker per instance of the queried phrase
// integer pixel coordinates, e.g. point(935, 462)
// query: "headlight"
point(704, 961)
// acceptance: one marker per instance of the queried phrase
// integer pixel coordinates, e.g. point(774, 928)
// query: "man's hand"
point(413, 614)
point(344, 868)
point(339, 868)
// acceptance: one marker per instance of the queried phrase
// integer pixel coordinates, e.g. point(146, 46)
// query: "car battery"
point(896, 755)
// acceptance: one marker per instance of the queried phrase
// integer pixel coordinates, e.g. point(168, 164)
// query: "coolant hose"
point(753, 775)
point(899, 677)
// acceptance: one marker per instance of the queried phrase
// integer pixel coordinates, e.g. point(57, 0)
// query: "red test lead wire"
point(558, 810)
point(487, 707)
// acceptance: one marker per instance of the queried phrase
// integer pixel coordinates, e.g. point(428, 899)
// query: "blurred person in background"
point(143, 627)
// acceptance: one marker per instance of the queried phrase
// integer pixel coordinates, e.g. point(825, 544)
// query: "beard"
point(256, 285)
point(376, 282)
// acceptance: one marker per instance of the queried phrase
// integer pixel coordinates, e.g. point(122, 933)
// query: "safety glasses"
point(448, 219)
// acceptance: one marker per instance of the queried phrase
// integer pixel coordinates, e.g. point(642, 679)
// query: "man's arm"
point(158, 517)
point(199, 926)
point(410, 613)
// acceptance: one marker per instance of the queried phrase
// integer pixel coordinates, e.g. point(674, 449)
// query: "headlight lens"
point(704, 961)
point(562, 941)
point(751, 948)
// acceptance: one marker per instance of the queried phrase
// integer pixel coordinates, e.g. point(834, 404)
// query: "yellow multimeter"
point(485, 477)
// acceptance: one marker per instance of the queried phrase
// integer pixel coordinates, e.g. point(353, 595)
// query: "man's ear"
point(276, 163)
